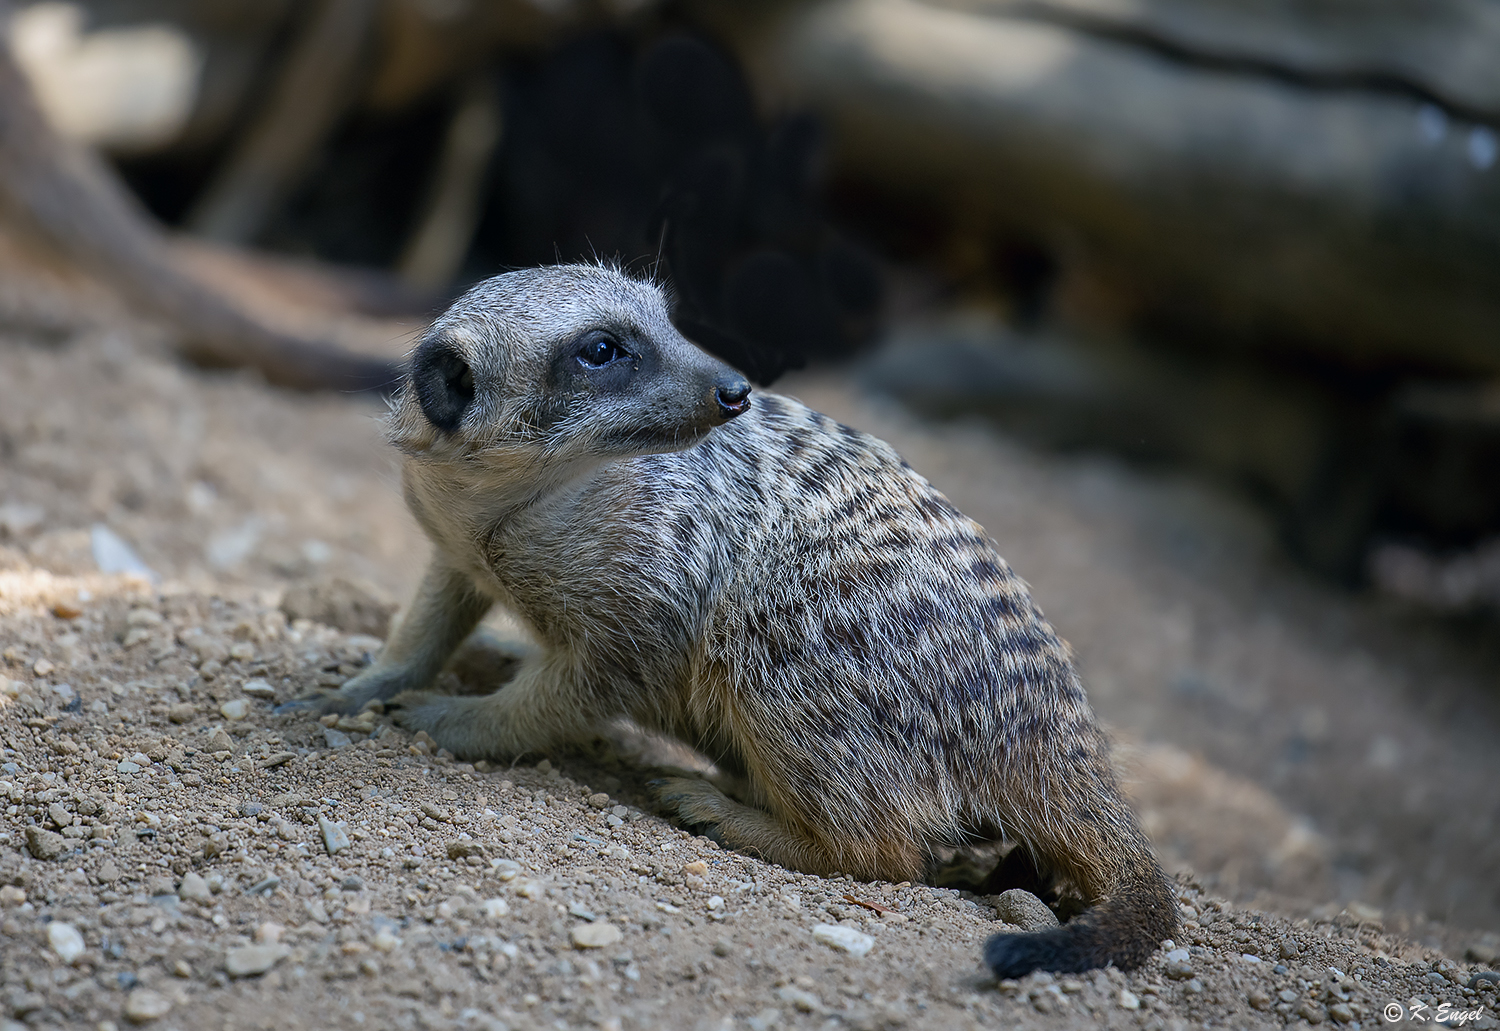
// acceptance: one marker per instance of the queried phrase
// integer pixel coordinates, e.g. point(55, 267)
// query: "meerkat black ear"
point(443, 381)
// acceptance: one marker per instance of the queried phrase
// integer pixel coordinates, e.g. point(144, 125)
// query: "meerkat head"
point(561, 363)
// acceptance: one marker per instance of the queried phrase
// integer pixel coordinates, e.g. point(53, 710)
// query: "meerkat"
point(779, 591)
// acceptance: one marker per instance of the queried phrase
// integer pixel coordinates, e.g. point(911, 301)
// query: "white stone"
point(1129, 1000)
point(113, 555)
point(845, 939)
point(595, 936)
point(127, 767)
point(143, 1006)
point(335, 840)
point(494, 908)
point(65, 941)
point(235, 709)
point(249, 960)
point(194, 889)
point(259, 689)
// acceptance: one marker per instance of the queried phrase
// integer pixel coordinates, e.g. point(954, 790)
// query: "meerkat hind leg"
point(697, 803)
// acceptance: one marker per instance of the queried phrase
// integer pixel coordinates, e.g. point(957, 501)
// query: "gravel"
point(412, 885)
point(168, 872)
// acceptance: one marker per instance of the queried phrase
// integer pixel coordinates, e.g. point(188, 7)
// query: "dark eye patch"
point(601, 349)
point(443, 381)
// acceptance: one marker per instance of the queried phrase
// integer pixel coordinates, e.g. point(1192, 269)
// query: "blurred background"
point(1217, 282)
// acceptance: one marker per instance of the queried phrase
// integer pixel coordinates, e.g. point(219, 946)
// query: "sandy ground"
point(1318, 770)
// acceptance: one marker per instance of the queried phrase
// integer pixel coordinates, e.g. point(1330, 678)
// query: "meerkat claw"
point(320, 701)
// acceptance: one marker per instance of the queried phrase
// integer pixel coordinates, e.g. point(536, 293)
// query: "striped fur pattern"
point(780, 591)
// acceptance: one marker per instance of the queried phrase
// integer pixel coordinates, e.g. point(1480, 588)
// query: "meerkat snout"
point(733, 395)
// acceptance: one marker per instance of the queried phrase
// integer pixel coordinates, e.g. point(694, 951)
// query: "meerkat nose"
point(733, 395)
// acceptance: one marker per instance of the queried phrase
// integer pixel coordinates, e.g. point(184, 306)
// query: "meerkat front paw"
point(373, 685)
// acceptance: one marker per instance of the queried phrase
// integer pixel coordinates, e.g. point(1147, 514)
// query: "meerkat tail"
point(1092, 840)
point(1123, 929)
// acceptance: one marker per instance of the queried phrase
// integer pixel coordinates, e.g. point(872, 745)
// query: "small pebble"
point(1311, 1012)
point(844, 939)
point(1024, 909)
point(1129, 1000)
point(182, 712)
point(65, 941)
point(194, 889)
point(219, 741)
point(1175, 965)
point(258, 689)
point(494, 909)
point(127, 767)
point(336, 738)
point(595, 936)
point(250, 960)
point(335, 840)
point(235, 709)
point(765, 1020)
point(800, 999)
point(45, 844)
point(143, 1006)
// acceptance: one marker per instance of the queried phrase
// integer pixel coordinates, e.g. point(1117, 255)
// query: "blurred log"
point(1441, 51)
point(67, 198)
point(455, 200)
point(1350, 219)
point(314, 88)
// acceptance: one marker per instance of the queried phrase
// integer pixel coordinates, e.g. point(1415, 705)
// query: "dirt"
point(1316, 769)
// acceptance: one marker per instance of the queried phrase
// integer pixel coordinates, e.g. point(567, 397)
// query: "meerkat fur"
point(779, 591)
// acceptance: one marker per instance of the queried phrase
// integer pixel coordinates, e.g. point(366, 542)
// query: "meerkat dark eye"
point(599, 351)
point(444, 383)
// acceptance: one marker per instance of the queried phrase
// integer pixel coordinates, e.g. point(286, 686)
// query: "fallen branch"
point(66, 196)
